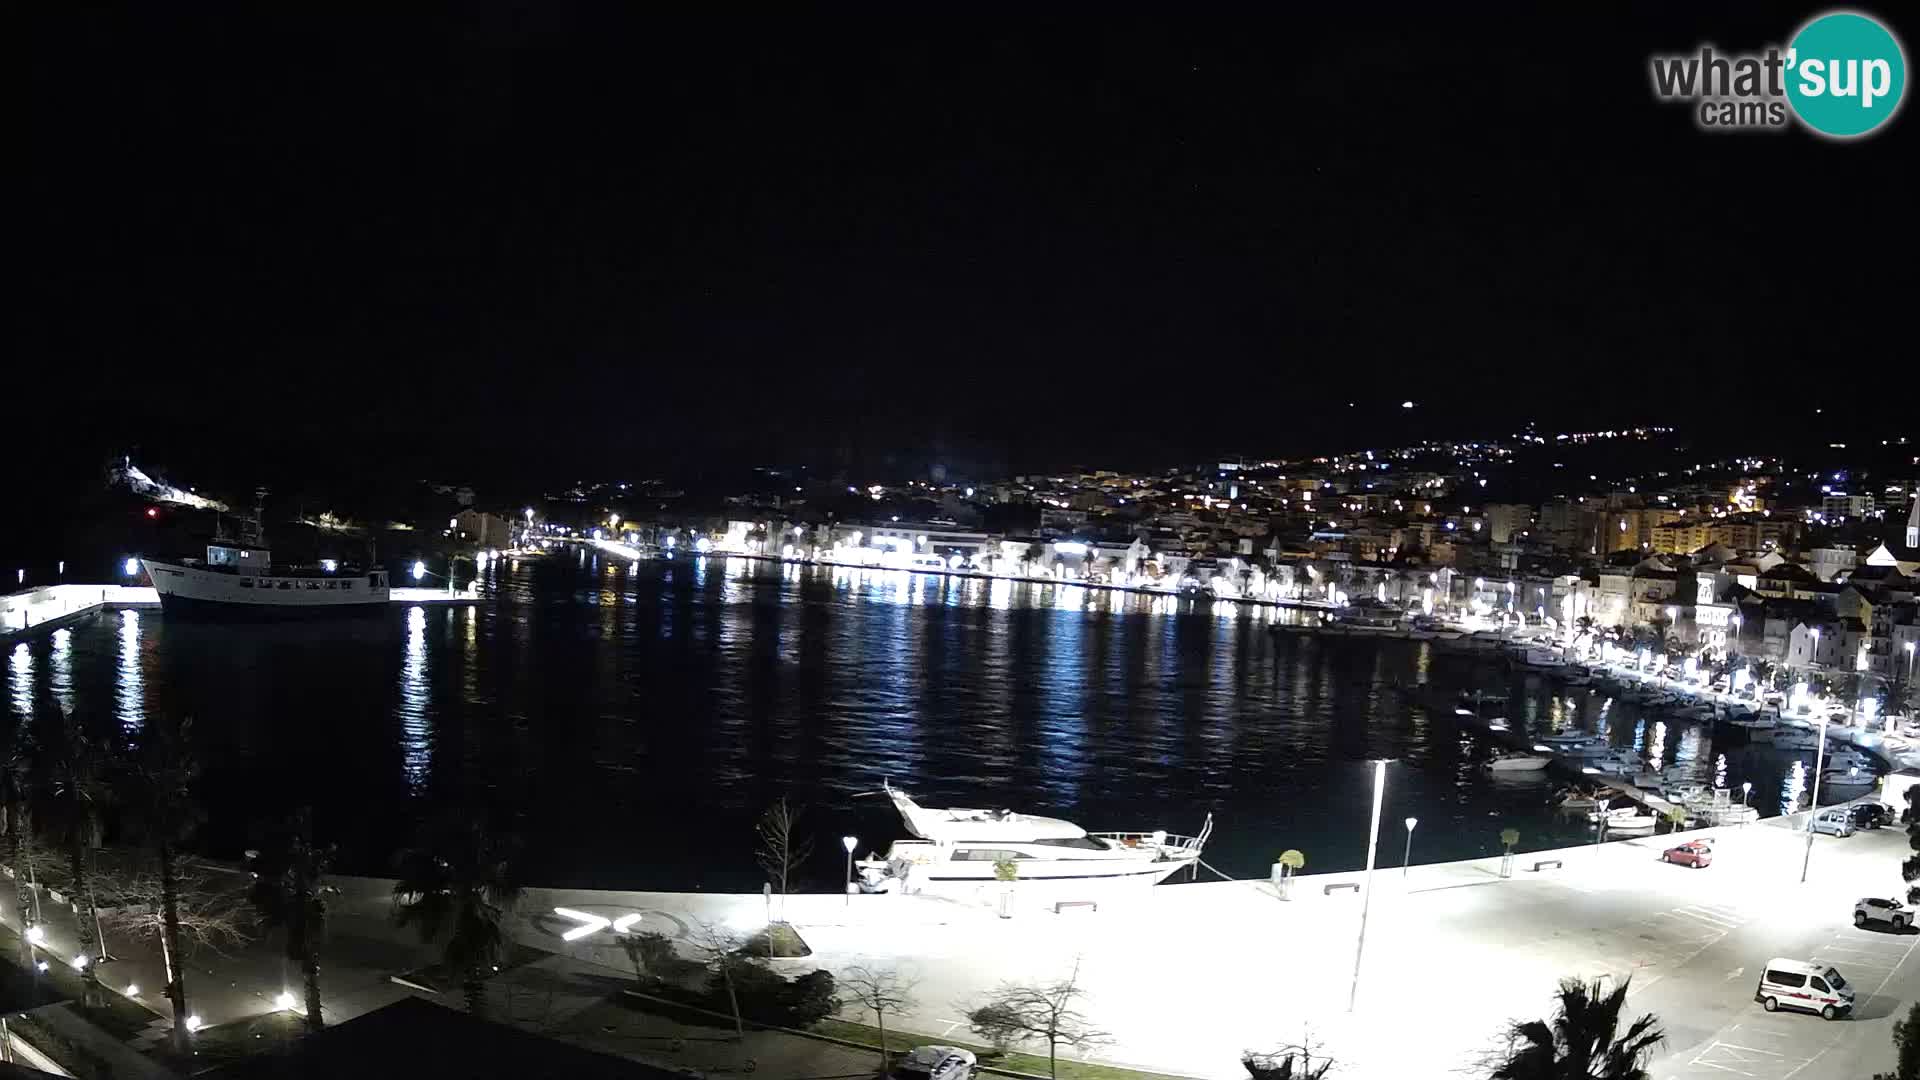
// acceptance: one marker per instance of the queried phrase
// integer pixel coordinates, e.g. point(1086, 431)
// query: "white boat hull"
point(193, 590)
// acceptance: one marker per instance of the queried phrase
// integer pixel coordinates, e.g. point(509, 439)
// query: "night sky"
point(535, 240)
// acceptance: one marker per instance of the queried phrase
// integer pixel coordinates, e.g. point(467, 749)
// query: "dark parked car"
point(1872, 815)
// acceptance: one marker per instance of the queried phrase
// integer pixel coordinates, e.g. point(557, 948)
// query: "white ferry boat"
point(238, 580)
point(956, 850)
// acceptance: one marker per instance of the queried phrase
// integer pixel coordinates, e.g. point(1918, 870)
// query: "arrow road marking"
point(1735, 973)
point(589, 924)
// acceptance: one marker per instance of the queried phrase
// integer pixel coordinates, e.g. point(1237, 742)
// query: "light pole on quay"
point(1813, 807)
point(1407, 855)
point(1909, 669)
point(849, 842)
point(1366, 902)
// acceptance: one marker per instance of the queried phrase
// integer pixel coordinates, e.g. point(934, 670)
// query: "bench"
point(1544, 863)
point(1062, 905)
point(1327, 890)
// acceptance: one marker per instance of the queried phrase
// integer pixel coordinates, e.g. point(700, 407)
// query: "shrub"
point(770, 998)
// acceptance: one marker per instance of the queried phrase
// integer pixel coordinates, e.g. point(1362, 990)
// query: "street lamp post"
point(849, 842)
point(1407, 855)
point(1366, 903)
point(1813, 808)
point(1909, 669)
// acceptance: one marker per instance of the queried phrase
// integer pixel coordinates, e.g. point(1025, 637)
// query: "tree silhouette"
point(880, 991)
point(456, 887)
point(1584, 1040)
point(289, 891)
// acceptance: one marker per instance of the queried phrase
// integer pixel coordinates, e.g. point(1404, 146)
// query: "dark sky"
point(530, 240)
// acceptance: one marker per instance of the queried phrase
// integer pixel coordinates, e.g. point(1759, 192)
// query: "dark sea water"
point(631, 722)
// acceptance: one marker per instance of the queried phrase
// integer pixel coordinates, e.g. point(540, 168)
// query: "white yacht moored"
point(956, 850)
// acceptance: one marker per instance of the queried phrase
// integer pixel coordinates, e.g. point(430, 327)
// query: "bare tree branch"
point(1039, 1011)
point(781, 853)
point(213, 908)
point(880, 991)
point(716, 946)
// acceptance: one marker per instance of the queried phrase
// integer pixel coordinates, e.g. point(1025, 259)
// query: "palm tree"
point(69, 793)
point(456, 885)
point(1582, 628)
point(289, 891)
point(164, 771)
point(1583, 1041)
point(15, 774)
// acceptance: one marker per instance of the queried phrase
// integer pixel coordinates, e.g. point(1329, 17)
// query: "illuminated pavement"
point(1185, 977)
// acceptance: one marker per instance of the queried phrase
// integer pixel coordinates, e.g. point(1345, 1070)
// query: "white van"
point(1804, 984)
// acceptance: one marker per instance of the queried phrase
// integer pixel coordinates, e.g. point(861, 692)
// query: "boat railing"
point(1166, 841)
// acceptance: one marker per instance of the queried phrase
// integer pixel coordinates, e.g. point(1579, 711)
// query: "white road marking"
point(1736, 973)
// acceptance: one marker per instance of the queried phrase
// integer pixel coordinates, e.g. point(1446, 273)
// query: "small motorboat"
point(1794, 737)
point(1622, 762)
point(1518, 763)
point(1579, 800)
point(1582, 751)
point(1629, 821)
point(1731, 815)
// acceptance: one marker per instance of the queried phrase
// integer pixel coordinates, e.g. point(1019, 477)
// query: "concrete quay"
point(1187, 976)
point(47, 608)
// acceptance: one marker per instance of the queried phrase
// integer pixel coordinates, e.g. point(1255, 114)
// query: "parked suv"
point(1892, 912)
point(1835, 822)
point(1872, 815)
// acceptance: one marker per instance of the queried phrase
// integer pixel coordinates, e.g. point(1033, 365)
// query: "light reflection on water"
point(130, 702)
point(415, 707)
point(676, 699)
point(20, 679)
point(60, 670)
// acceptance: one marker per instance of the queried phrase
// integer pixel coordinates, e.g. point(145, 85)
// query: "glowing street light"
point(37, 935)
point(1366, 904)
point(849, 842)
point(132, 568)
point(419, 570)
point(283, 1001)
point(1407, 855)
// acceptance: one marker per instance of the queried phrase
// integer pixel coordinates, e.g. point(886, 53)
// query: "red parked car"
point(1694, 853)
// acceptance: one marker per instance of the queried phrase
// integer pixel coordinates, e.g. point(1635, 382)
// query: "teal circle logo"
point(1845, 74)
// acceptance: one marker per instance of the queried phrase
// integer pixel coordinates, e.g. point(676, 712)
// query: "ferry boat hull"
point(196, 592)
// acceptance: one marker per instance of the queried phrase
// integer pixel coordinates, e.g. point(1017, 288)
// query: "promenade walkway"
point(46, 608)
point(1187, 976)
